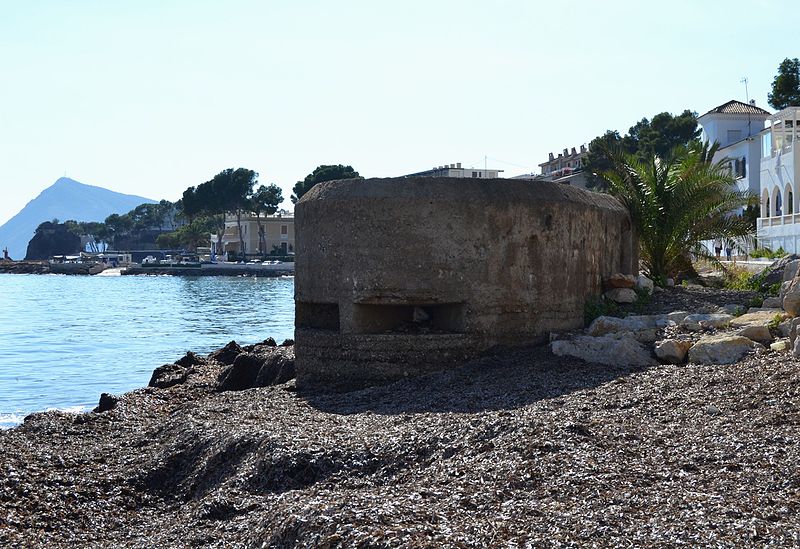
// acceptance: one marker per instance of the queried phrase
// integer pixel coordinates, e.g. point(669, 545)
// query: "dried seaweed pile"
point(513, 449)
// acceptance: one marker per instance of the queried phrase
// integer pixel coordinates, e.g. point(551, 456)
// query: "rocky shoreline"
point(44, 267)
point(24, 267)
point(518, 448)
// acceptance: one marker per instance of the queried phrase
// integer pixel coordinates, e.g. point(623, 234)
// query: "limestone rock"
point(785, 328)
point(796, 347)
point(697, 322)
point(604, 350)
point(782, 293)
point(780, 345)
point(720, 349)
point(794, 324)
point(621, 295)
point(673, 351)
point(677, 316)
point(603, 325)
point(791, 299)
point(754, 326)
point(670, 282)
point(620, 281)
point(790, 270)
point(731, 309)
point(772, 303)
point(644, 283)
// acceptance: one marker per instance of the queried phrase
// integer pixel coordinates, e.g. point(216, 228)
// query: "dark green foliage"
point(321, 174)
point(597, 306)
point(786, 86)
point(769, 254)
point(189, 236)
point(597, 159)
point(658, 137)
point(645, 139)
point(53, 238)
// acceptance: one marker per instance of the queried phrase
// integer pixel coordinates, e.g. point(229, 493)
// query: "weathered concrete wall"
point(397, 277)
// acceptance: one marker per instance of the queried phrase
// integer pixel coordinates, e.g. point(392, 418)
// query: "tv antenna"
point(747, 97)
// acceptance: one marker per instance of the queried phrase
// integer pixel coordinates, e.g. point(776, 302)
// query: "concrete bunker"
point(400, 277)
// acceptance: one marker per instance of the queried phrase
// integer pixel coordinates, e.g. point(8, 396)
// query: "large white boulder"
point(790, 271)
point(677, 316)
point(621, 295)
point(673, 351)
point(604, 350)
point(697, 322)
point(720, 349)
point(755, 325)
point(603, 325)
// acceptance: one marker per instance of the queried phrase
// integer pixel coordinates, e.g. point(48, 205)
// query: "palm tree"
point(677, 202)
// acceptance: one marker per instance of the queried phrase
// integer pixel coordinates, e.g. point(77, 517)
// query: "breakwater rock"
point(516, 448)
point(24, 267)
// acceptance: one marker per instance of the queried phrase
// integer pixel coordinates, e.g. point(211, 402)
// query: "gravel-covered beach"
point(519, 448)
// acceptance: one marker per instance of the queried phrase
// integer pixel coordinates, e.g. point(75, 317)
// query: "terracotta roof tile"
point(737, 107)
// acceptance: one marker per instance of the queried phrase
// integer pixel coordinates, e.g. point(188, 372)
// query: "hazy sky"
point(149, 97)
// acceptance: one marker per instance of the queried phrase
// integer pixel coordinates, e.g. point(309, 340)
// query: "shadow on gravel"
point(506, 380)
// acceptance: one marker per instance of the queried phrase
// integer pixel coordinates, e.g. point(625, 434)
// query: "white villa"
point(779, 224)
point(736, 126)
point(762, 153)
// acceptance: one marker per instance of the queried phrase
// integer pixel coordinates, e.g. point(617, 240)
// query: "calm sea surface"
point(66, 339)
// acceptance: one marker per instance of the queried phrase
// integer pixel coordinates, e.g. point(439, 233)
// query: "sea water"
point(66, 339)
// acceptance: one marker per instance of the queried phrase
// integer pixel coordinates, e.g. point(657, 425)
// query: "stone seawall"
point(24, 267)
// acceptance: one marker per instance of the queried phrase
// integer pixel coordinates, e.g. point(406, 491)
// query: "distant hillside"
point(65, 199)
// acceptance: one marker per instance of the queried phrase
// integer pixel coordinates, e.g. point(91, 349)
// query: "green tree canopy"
point(786, 86)
point(662, 134)
point(645, 139)
point(320, 174)
point(676, 202)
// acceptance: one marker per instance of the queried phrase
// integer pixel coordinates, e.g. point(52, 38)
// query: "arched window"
point(789, 199)
point(765, 203)
point(778, 202)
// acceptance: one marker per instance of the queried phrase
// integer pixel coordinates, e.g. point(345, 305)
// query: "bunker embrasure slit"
point(319, 316)
point(440, 318)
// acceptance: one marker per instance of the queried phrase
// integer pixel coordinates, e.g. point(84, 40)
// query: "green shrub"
point(767, 253)
point(755, 301)
point(773, 324)
point(737, 278)
point(774, 289)
point(599, 306)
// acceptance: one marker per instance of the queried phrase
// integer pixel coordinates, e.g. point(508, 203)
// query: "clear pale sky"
point(150, 97)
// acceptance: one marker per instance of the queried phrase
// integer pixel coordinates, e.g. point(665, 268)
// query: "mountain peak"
point(66, 181)
point(64, 199)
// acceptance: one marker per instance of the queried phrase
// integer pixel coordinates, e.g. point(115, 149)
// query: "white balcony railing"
point(778, 220)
